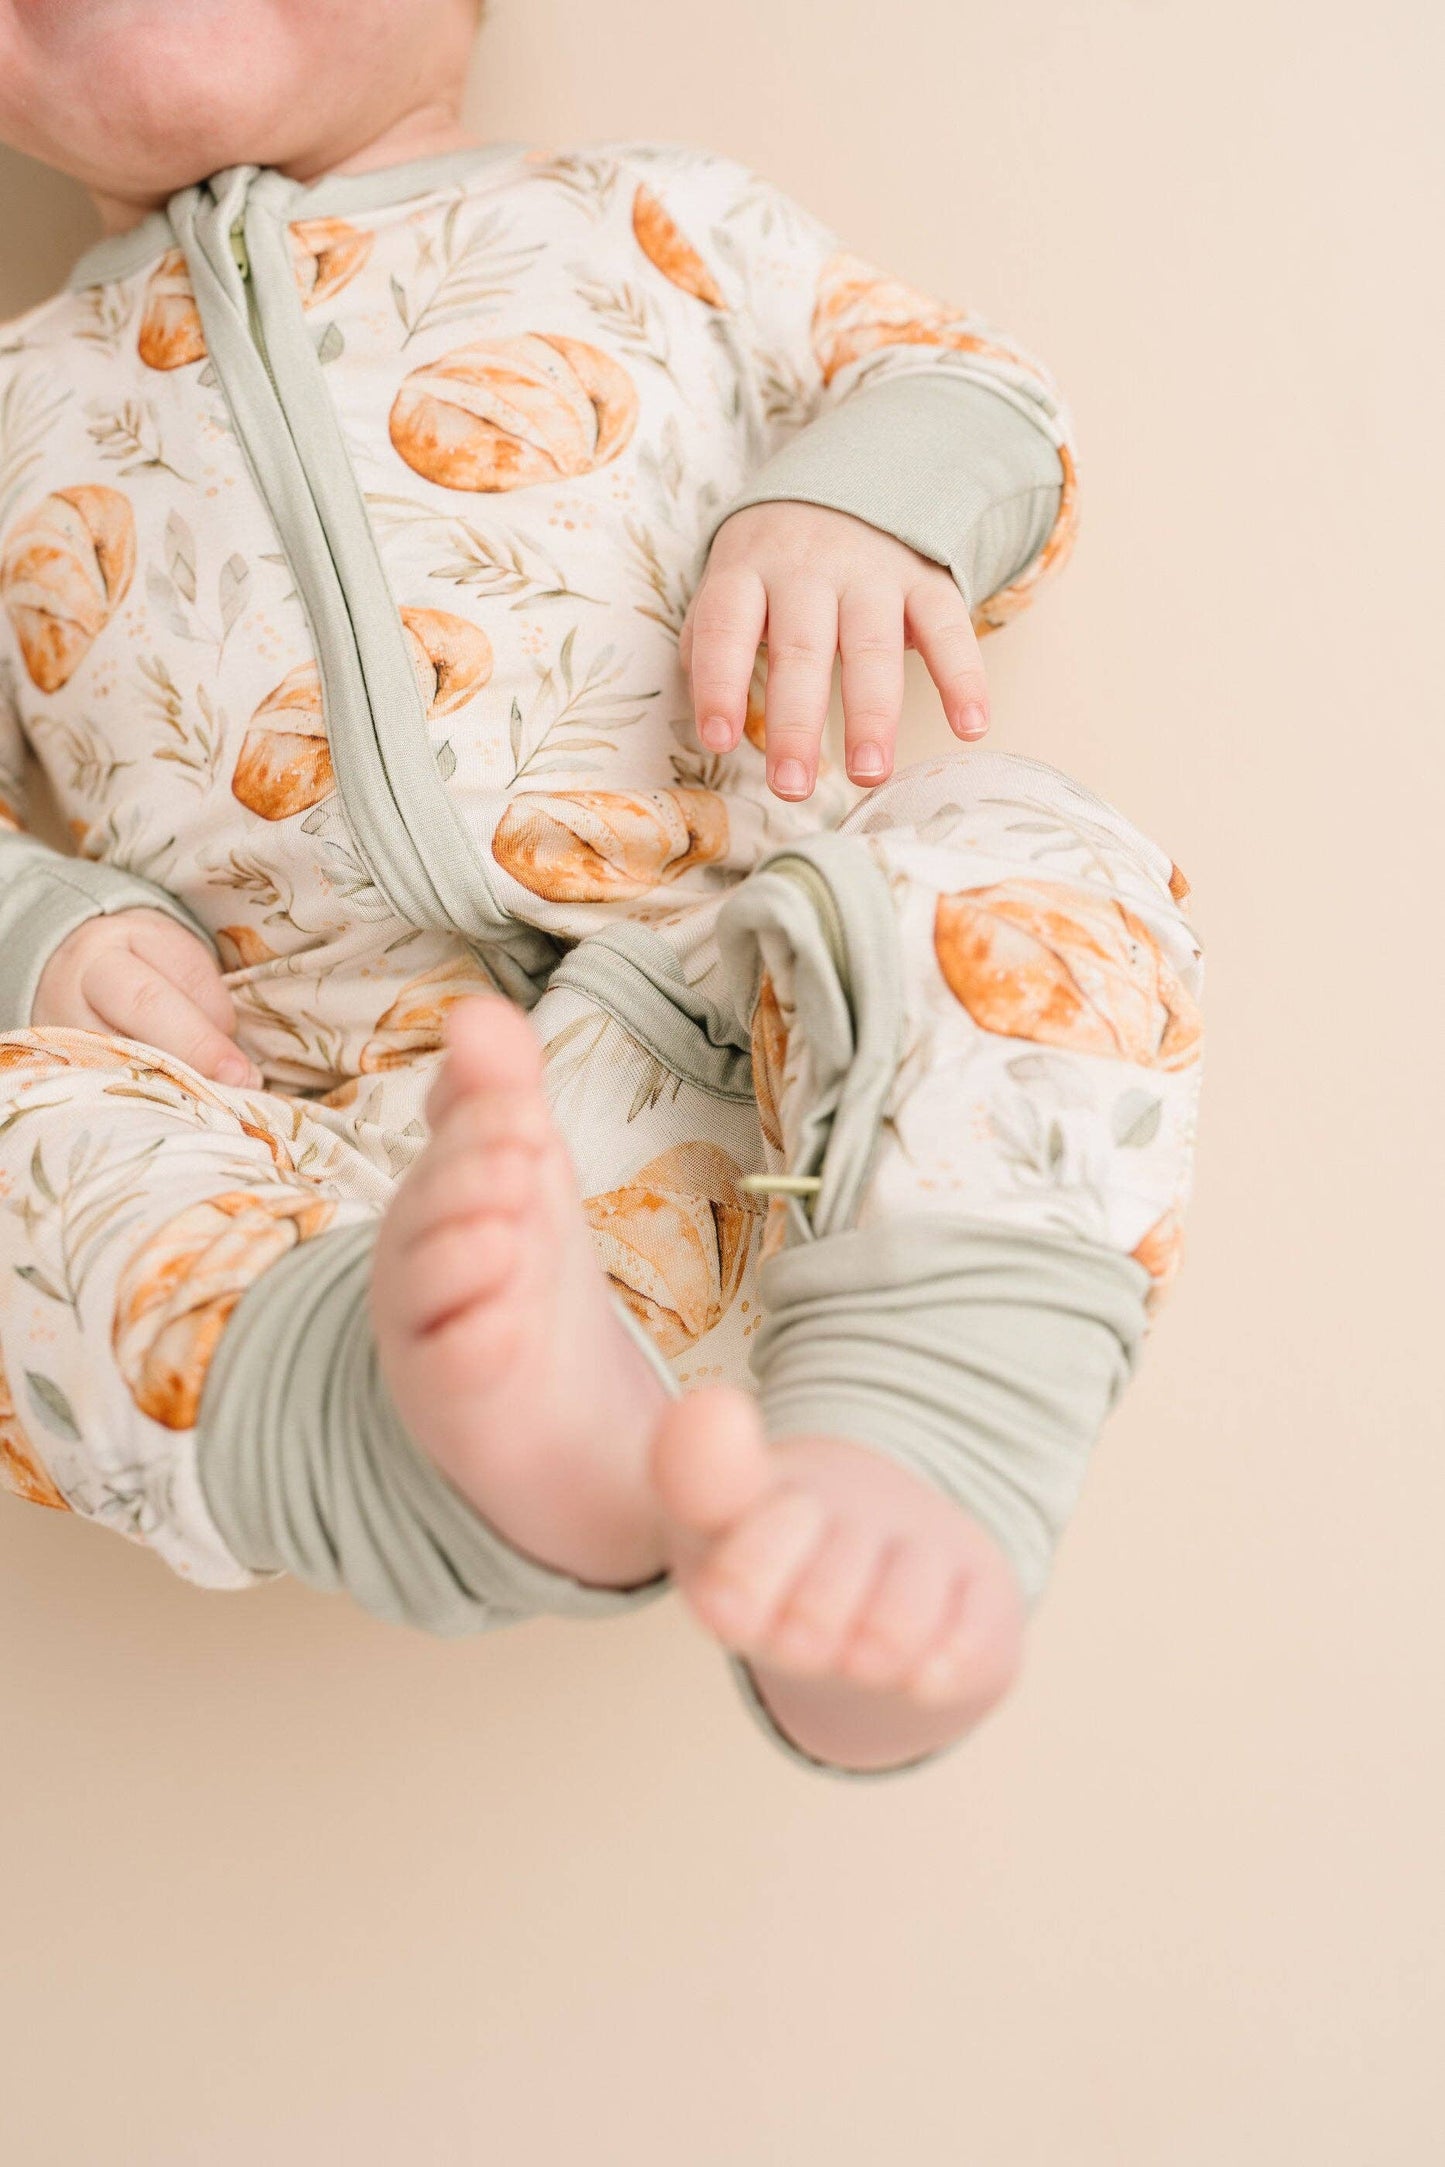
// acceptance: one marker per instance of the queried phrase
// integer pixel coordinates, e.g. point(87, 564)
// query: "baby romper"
point(346, 534)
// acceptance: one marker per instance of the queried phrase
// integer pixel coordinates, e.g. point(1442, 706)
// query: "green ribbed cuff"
point(981, 1359)
point(941, 462)
point(43, 897)
point(308, 1469)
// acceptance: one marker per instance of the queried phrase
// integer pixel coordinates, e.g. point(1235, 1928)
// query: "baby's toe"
point(752, 1570)
point(975, 1656)
point(901, 1617)
point(818, 1617)
point(458, 1265)
point(462, 1185)
point(491, 1049)
point(710, 1464)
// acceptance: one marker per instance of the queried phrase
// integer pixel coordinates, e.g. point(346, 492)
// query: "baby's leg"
point(141, 1203)
point(976, 1041)
point(188, 1354)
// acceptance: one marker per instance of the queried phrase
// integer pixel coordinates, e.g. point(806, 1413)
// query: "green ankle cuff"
point(983, 1360)
point(308, 1469)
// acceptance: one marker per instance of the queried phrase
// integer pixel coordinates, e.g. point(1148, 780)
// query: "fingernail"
point(232, 1068)
point(716, 733)
point(790, 779)
point(974, 722)
point(867, 760)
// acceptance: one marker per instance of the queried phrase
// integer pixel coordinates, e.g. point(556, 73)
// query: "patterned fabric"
point(551, 378)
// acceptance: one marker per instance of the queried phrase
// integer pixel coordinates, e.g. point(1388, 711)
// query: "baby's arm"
point(914, 479)
point(90, 947)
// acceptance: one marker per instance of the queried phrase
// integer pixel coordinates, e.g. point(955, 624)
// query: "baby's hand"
point(141, 975)
point(820, 582)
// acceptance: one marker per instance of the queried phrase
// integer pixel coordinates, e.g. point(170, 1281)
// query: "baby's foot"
point(495, 1326)
point(878, 1620)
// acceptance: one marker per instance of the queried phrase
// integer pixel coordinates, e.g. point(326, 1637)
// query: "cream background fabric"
point(1193, 1870)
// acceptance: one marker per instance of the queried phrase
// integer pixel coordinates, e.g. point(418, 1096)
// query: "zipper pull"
point(240, 251)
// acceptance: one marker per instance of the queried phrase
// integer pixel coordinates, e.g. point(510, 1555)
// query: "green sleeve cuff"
point(943, 463)
point(43, 897)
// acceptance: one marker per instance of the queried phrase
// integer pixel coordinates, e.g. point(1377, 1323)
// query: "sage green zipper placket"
point(234, 235)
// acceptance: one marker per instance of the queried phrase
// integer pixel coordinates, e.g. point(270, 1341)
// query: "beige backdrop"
point(285, 1885)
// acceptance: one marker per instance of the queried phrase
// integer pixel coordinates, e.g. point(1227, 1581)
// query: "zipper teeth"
point(242, 258)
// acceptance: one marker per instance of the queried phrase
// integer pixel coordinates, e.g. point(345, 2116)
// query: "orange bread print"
point(858, 309)
point(28, 1055)
point(674, 1242)
point(770, 1054)
point(452, 659)
point(65, 569)
point(1058, 965)
point(505, 413)
point(1161, 1252)
point(170, 326)
point(20, 1471)
point(663, 245)
point(241, 947)
point(415, 1023)
point(176, 1295)
point(326, 255)
point(596, 846)
point(284, 765)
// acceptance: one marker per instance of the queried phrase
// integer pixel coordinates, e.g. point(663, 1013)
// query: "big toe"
point(709, 1459)
point(491, 1047)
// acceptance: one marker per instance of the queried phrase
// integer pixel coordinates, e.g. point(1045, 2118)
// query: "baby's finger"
point(870, 640)
point(132, 997)
point(943, 633)
point(179, 956)
point(802, 641)
point(724, 629)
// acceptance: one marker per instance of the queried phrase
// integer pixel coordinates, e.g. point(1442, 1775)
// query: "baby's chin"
point(137, 98)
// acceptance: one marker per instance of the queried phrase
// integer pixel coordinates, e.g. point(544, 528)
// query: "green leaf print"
point(38, 1176)
point(110, 309)
point(475, 273)
point(232, 586)
point(1136, 1119)
point(515, 567)
point(33, 1276)
point(88, 756)
point(130, 434)
point(53, 1408)
point(27, 415)
point(181, 555)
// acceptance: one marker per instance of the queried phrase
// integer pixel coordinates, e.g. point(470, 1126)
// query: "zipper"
point(241, 256)
point(805, 875)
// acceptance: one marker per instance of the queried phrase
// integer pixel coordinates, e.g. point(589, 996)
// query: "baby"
point(474, 1032)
